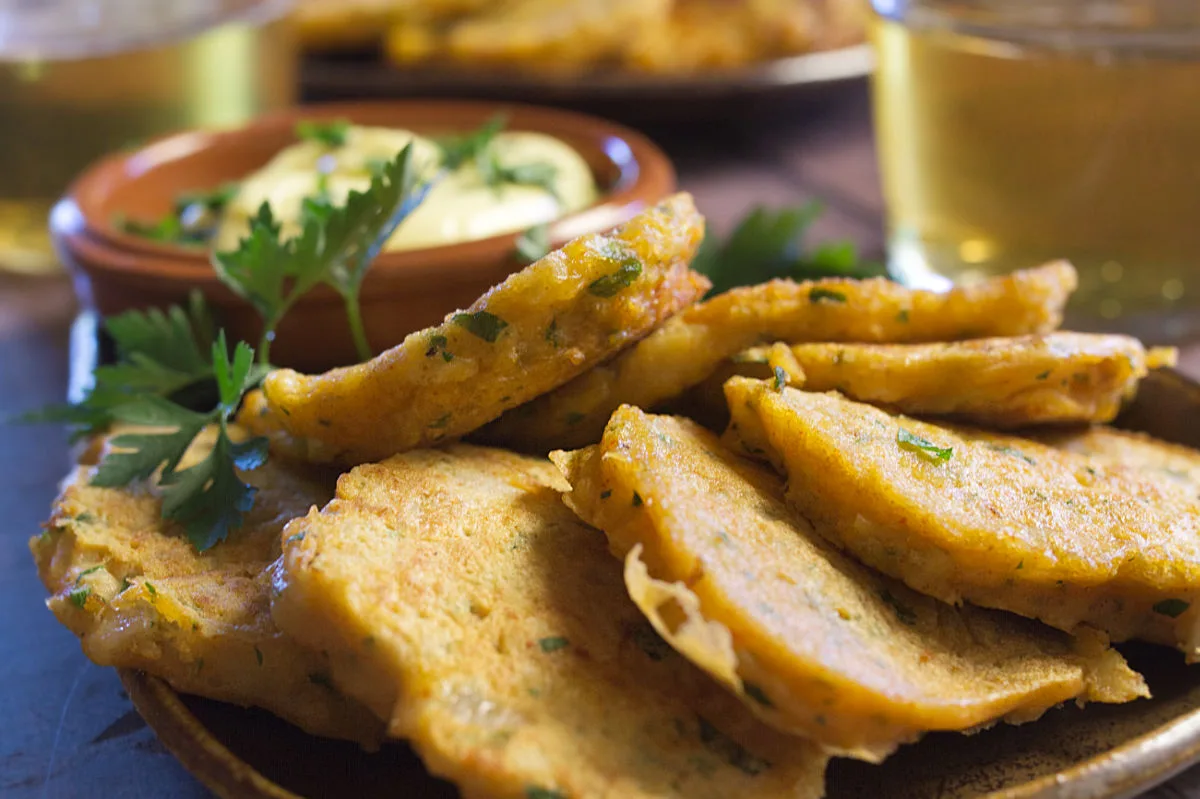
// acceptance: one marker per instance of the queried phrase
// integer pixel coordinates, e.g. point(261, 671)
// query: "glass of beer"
point(80, 78)
point(1013, 132)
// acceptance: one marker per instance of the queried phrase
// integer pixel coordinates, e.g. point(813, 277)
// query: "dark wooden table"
point(66, 727)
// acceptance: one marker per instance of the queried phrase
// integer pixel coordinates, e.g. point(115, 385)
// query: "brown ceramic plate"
point(404, 291)
point(356, 75)
point(1098, 752)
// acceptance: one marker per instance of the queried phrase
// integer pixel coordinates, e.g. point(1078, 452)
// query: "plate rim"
point(817, 68)
point(1162, 753)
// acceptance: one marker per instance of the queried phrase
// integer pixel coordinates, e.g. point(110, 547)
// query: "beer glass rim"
point(27, 41)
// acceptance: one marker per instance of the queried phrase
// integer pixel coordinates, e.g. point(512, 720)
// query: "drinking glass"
point(79, 78)
point(1012, 132)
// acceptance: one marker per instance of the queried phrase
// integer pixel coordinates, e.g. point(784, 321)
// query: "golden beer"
point(1002, 147)
point(66, 100)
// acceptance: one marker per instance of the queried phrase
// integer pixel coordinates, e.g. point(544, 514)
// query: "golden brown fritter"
point(996, 382)
point(694, 344)
point(535, 331)
point(810, 640)
point(1169, 465)
point(140, 597)
point(469, 608)
point(1000, 521)
point(700, 35)
point(551, 33)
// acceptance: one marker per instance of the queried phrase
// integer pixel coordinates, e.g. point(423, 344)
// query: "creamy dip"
point(460, 207)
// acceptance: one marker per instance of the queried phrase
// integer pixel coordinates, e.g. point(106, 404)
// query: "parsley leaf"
point(192, 221)
point(208, 498)
point(534, 243)
point(328, 134)
point(538, 174)
point(1174, 608)
point(538, 792)
point(769, 244)
point(136, 456)
point(336, 246)
point(158, 355)
point(611, 285)
point(457, 150)
point(924, 448)
point(482, 324)
point(819, 294)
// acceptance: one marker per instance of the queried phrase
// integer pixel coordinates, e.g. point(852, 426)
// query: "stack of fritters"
point(564, 36)
point(907, 577)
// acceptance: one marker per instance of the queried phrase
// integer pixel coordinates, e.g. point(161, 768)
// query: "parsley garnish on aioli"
point(781, 378)
point(534, 243)
point(328, 134)
point(922, 447)
point(336, 246)
point(457, 150)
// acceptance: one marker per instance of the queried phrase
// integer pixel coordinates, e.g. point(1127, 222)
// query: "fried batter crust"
point(140, 597)
point(694, 344)
point(469, 608)
point(996, 382)
point(823, 647)
point(535, 331)
point(997, 520)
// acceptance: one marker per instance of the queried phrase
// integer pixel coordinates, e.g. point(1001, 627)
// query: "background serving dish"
point(631, 96)
point(404, 291)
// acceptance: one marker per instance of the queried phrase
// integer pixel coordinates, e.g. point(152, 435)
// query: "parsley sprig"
point(770, 244)
point(207, 498)
point(192, 221)
point(477, 147)
point(169, 363)
point(332, 134)
point(461, 149)
point(534, 243)
point(159, 354)
point(336, 246)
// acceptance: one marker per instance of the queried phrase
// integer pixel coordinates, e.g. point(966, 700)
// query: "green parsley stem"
point(357, 331)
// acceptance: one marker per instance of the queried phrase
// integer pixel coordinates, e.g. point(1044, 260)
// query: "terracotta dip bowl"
point(407, 290)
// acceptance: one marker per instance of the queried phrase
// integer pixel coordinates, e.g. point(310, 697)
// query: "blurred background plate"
point(629, 96)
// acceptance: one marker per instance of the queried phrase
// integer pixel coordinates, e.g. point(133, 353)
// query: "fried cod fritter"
point(694, 344)
point(535, 331)
point(550, 33)
point(811, 641)
point(139, 596)
point(464, 604)
point(997, 382)
point(995, 520)
point(1169, 465)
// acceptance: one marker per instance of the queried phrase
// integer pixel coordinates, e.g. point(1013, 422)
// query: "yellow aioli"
point(460, 207)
